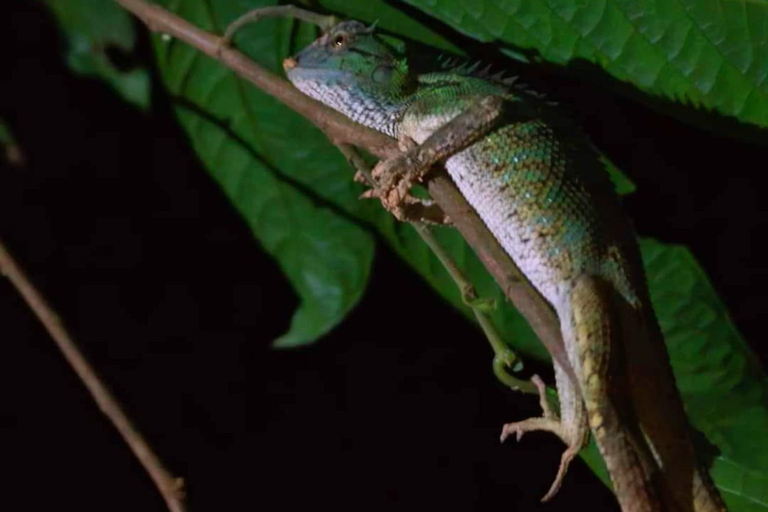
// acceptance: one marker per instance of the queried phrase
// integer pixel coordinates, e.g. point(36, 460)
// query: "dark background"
point(173, 301)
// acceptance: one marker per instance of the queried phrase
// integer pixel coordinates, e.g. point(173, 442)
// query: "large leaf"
point(297, 152)
point(709, 53)
point(276, 170)
point(98, 32)
point(723, 386)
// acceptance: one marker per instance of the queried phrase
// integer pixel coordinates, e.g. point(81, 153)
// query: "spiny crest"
point(466, 67)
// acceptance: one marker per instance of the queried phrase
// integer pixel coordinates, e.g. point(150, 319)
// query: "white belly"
point(498, 211)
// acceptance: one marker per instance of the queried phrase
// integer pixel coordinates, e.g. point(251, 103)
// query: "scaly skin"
point(544, 195)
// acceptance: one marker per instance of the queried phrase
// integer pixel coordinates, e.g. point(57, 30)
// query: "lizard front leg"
point(397, 175)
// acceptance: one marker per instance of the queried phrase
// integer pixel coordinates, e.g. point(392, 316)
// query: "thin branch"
point(341, 130)
point(503, 356)
point(291, 11)
point(170, 487)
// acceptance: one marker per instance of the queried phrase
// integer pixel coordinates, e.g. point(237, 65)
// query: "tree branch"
point(341, 130)
point(503, 356)
point(170, 487)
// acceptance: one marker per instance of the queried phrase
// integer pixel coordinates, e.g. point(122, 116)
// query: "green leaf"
point(620, 180)
point(278, 171)
point(723, 386)
point(711, 54)
point(296, 151)
point(93, 28)
point(742, 489)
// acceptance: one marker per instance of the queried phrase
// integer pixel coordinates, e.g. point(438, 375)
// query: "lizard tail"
point(593, 326)
point(659, 408)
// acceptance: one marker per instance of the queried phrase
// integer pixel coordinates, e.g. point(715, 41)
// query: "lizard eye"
point(339, 40)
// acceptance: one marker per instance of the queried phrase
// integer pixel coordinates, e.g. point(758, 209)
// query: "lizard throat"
point(372, 109)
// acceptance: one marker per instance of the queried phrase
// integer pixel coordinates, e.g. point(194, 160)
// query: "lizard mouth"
point(297, 72)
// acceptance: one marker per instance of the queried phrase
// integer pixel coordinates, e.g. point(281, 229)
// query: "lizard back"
point(535, 188)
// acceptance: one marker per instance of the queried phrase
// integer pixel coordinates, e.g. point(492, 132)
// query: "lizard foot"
point(548, 422)
point(397, 175)
point(412, 209)
point(394, 193)
point(395, 178)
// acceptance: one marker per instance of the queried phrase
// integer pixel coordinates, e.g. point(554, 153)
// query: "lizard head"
point(354, 70)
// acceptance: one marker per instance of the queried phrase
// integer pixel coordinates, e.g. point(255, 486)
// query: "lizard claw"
point(359, 177)
point(550, 425)
point(549, 422)
point(565, 461)
point(512, 428)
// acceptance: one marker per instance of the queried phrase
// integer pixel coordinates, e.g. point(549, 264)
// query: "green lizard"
point(543, 193)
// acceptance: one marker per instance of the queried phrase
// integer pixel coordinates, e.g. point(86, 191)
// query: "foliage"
point(98, 33)
point(295, 190)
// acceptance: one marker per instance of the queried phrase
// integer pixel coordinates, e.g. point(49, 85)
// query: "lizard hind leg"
point(572, 429)
point(592, 325)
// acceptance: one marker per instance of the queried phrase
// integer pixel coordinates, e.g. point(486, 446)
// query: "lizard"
point(544, 194)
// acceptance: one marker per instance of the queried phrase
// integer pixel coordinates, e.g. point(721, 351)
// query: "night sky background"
point(166, 291)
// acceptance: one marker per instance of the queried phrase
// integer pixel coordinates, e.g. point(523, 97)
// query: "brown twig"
point(170, 487)
point(324, 22)
point(341, 130)
point(504, 358)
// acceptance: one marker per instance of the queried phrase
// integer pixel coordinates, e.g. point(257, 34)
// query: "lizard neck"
point(379, 112)
point(375, 106)
point(382, 108)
